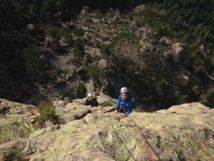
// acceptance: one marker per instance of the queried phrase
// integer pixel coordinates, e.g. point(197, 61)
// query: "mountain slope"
point(49, 51)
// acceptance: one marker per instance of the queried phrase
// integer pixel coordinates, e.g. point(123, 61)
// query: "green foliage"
point(52, 31)
point(95, 73)
point(19, 8)
point(183, 17)
point(46, 11)
point(138, 109)
point(67, 92)
point(33, 61)
point(78, 48)
point(110, 90)
point(130, 37)
point(47, 112)
point(150, 108)
point(191, 23)
point(139, 24)
point(88, 22)
point(105, 51)
point(70, 41)
point(78, 32)
point(207, 98)
point(14, 130)
point(111, 73)
point(163, 86)
point(69, 8)
point(122, 62)
point(130, 16)
point(181, 94)
point(59, 5)
point(81, 90)
point(59, 32)
point(98, 44)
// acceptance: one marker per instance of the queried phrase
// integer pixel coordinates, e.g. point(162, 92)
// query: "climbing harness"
point(142, 136)
point(115, 135)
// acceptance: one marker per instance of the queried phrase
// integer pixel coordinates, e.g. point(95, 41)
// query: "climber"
point(124, 102)
point(91, 100)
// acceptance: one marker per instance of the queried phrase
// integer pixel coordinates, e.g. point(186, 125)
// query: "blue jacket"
point(127, 104)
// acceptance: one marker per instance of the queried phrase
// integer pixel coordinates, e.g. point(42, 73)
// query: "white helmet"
point(90, 95)
point(124, 90)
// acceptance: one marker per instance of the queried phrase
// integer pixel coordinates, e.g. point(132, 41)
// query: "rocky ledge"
point(182, 132)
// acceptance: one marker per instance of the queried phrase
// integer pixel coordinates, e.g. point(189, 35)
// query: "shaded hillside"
point(191, 23)
point(57, 49)
point(47, 11)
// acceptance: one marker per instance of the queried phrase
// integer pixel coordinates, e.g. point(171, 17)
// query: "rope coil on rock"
point(116, 136)
point(142, 136)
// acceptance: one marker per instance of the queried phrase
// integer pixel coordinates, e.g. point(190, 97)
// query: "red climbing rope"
point(142, 136)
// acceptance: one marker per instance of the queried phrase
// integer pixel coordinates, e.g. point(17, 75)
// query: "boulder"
point(102, 99)
point(72, 111)
point(102, 64)
point(30, 27)
point(90, 86)
point(12, 150)
point(17, 111)
point(15, 126)
point(177, 48)
point(84, 11)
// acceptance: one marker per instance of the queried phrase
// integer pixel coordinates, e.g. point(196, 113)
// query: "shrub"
point(110, 90)
point(207, 98)
point(78, 48)
point(88, 22)
point(122, 62)
point(47, 112)
point(95, 73)
point(32, 59)
point(67, 92)
point(81, 90)
point(162, 86)
point(139, 24)
point(182, 98)
point(78, 32)
point(130, 17)
point(19, 8)
point(130, 37)
point(69, 41)
point(98, 44)
point(52, 32)
point(58, 32)
point(138, 109)
point(105, 51)
point(14, 130)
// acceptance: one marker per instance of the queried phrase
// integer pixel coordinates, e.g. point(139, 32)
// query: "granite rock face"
point(183, 132)
point(15, 126)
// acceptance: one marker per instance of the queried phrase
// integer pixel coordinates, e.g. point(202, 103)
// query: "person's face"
point(90, 98)
point(124, 96)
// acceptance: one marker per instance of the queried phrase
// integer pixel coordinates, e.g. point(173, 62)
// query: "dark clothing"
point(92, 103)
